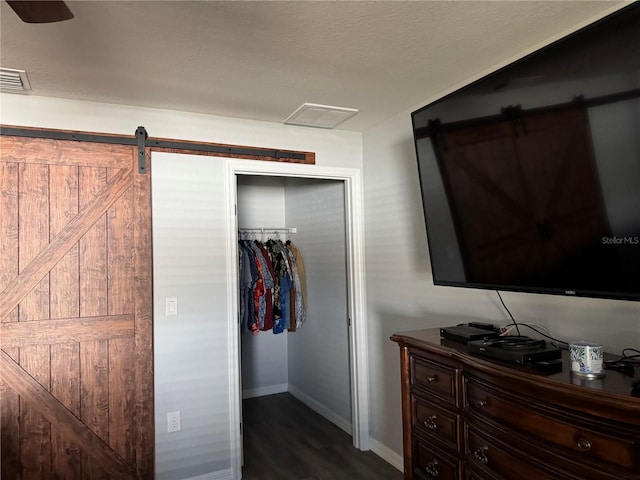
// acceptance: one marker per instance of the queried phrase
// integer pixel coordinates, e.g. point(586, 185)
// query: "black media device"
point(549, 365)
point(530, 176)
point(515, 349)
point(470, 331)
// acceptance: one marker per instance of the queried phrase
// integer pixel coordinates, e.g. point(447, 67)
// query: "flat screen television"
point(530, 177)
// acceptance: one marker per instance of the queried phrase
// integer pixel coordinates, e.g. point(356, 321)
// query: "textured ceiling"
point(261, 60)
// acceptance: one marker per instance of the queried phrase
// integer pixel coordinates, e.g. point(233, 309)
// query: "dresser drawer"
point(485, 453)
point(435, 422)
point(431, 462)
point(473, 473)
point(434, 378)
point(598, 444)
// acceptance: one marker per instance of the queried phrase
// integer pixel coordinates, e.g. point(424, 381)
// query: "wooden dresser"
point(467, 417)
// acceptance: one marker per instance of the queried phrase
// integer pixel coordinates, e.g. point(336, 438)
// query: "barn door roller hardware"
point(141, 136)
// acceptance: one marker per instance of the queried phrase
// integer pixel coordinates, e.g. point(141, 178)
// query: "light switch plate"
point(171, 306)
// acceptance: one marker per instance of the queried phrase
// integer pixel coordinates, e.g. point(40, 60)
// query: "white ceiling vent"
point(14, 80)
point(322, 116)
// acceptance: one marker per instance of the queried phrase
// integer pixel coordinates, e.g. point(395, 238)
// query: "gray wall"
point(319, 351)
point(190, 351)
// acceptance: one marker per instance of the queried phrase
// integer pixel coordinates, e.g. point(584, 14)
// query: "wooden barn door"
point(76, 363)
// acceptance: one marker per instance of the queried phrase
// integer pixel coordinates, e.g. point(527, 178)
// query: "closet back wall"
point(264, 356)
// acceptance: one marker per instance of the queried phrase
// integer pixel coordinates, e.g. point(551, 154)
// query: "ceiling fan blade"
point(41, 12)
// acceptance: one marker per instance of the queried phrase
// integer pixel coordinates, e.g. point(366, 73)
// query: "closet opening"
point(302, 370)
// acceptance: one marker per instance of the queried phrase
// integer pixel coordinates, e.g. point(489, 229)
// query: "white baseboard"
point(219, 475)
point(266, 390)
point(321, 409)
point(387, 454)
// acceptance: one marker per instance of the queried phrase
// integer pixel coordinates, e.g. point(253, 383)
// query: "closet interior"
point(312, 362)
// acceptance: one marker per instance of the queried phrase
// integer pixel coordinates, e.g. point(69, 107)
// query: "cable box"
point(466, 333)
point(515, 349)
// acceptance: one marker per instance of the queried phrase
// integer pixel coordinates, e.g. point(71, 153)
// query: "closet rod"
point(269, 230)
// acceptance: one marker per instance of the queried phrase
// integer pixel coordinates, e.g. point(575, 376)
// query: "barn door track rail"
point(142, 141)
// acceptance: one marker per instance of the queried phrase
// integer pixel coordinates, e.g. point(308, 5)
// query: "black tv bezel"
point(581, 293)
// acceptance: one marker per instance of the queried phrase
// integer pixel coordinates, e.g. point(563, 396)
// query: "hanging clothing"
point(285, 283)
point(270, 286)
point(248, 279)
point(266, 284)
point(301, 272)
point(298, 312)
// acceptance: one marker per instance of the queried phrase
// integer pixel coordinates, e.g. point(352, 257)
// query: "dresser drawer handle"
point(432, 468)
point(432, 379)
point(584, 445)
point(481, 454)
point(482, 403)
point(430, 422)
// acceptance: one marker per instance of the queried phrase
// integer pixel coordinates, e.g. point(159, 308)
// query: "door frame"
point(357, 306)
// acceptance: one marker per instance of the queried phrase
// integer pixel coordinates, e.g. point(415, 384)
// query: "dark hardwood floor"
point(286, 440)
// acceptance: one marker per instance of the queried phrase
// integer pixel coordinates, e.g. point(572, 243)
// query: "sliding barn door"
point(75, 309)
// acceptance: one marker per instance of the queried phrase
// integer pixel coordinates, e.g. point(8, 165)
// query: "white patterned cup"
point(586, 358)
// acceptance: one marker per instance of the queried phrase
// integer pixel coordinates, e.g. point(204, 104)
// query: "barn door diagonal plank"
point(16, 290)
point(65, 421)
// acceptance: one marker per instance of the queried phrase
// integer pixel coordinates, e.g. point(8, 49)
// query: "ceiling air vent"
point(14, 80)
point(322, 116)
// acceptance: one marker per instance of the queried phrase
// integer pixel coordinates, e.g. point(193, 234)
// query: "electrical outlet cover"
point(173, 422)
